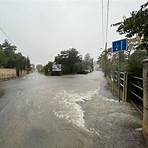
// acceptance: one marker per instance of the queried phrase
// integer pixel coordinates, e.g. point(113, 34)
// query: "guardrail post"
point(145, 94)
point(125, 87)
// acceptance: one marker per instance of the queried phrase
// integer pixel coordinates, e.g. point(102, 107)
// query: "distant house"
point(56, 69)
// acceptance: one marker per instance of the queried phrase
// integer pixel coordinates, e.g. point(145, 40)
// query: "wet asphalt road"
point(75, 111)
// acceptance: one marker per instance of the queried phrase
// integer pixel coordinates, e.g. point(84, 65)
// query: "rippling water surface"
point(73, 111)
point(39, 111)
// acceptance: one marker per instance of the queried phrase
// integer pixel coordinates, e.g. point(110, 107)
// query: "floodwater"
point(73, 111)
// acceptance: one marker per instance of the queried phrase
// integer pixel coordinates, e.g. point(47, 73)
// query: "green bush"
point(134, 64)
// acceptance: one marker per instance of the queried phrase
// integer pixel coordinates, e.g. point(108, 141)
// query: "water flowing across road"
point(74, 111)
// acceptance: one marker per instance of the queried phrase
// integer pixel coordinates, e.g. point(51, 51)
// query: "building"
point(56, 69)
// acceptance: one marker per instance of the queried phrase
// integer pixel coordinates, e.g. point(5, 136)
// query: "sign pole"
point(119, 66)
point(119, 46)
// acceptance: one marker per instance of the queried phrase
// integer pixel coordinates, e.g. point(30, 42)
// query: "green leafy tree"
point(136, 25)
point(9, 52)
point(2, 57)
point(8, 48)
point(134, 64)
point(20, 63)
point(10, 59)
point(28, 65)
point(88, 62)
point(105, 62)
point(48, 68)
point(68, 59)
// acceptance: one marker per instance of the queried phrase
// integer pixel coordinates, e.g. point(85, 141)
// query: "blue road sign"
point(120, 45)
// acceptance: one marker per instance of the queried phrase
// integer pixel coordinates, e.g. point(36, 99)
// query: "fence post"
point(125, 87)
point(145, 95)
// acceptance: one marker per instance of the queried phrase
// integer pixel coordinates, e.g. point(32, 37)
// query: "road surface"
point(75, 111)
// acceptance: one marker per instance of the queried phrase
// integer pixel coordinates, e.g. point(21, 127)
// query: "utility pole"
point(105, 73)
point(106, 36)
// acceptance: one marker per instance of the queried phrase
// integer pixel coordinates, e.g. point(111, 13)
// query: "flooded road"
point(74, 111)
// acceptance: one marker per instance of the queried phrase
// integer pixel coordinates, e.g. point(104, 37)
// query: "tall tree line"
point(9, 58)
point(71, 62)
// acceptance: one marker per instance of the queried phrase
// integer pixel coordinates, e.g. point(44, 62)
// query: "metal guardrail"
point(121, 79)
point(132, 88)
point(135, 90)
point(136, 87)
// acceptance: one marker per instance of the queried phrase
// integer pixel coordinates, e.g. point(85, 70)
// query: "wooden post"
point(145, 95)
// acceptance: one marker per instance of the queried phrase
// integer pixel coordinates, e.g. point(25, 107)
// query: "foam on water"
point(110, 100)
point(68, 107)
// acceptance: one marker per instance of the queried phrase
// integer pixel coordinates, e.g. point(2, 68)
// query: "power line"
point(102, 23)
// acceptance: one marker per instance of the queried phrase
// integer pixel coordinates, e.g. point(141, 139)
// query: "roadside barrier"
point(131, 89)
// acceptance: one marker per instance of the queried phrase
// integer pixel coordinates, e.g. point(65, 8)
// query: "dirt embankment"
point(6, 74)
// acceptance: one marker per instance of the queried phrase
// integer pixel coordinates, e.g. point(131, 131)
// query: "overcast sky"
point(42, 28)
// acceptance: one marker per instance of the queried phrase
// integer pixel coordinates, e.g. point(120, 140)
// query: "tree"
point(20, 63)
point(2, 57)
point(48, 68)
point(8, 48)
point(88, 62)
point(28, 65)
point(134, 64)
point(105, 62)
point(8, 52)
point(68, 59)
point(10, 59)
point(136, 25)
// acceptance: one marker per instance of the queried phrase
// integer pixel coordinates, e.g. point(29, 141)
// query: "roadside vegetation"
point(9, 58)
point(135, 28)
point(71, 63)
